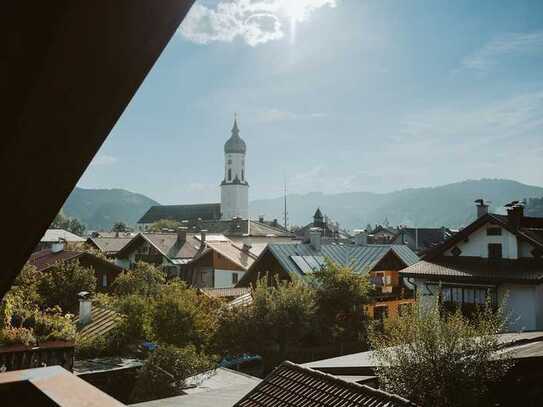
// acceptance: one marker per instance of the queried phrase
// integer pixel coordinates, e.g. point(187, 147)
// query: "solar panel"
point(308, 264)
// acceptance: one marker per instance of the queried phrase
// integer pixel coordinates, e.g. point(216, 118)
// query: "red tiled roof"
point(44, 259)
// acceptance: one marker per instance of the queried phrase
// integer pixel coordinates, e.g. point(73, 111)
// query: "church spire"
point(235, 129)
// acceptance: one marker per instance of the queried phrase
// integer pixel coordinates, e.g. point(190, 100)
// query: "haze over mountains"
point(448, 205)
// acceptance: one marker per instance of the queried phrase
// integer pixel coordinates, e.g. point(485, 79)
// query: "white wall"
point(523, 305)
point(234, 201)
point(477, 244)
point(223, 278)
point(237, 165)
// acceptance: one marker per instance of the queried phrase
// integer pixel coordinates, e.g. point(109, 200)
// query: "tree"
point(438, 359)
point(70, 224)
point(120, 227)
point(279, 319)
point(165, 372)
point(61, 284)
point(145, 279)
point(340, 295)
point(182, 317)
point(162, 224)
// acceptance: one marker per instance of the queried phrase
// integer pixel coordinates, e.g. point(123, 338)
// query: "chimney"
point(85, 308)
point(482, 208)
point(360, 237)
point(315, 238)
point(236, 224)
point(515, 215)
point(203, 233)
point(246, 247)
point(58, 246)
point(181, 234)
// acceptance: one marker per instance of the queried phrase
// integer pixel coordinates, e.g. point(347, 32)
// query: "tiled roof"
point(360, 258)
point(243, 258)
point(426, 237)
point(102, 321)
point(294, 385)
point(53, 235)
point(225, 292)
point(166, 243)
point(470, 269)
point(110, 245)
point(182, 212)
point(44, 259)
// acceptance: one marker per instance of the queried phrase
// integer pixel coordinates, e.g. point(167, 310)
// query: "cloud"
point(254, 21)
point(277, 115)
point(509, 45)
point(102, 160)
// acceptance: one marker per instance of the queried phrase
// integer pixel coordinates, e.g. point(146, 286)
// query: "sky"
point(335, 96)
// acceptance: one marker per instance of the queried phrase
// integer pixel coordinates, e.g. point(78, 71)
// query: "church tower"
point(234, 187)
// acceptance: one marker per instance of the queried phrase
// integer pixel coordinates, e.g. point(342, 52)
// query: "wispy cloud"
point(508, 45)
point(254, 21)
point(278, 115)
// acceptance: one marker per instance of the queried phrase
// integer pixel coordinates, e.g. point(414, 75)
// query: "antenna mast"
point(285, 213)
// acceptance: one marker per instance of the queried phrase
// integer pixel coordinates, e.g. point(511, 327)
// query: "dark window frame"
point(494, 231)
point(495, 251)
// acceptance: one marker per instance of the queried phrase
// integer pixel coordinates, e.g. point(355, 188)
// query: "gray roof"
point(110, 245)
point(477, 269)
point(180, 213)
point(360, 258)
point(220, 388)
point(53, 235)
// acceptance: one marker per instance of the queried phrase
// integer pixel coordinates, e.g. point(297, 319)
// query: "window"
point(229, 174)
point(464, 295)
point(235, 278)
point(243, 175)
point(104, 280)
point(456, 251)
point(380, 312)
point(494, 251)
point(494, 231)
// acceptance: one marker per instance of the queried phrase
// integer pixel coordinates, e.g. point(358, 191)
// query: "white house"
point(499, 256)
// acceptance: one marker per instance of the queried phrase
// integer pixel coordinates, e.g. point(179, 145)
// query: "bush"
point(437, 359)
point(165, 372)
point(145, 280)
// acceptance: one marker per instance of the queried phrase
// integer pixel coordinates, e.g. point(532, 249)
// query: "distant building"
point(498, 257)
point(53, 236)
point(421, 239)
point(110, 245)
point(234, 192)
point(329, 229)
point(104, 271)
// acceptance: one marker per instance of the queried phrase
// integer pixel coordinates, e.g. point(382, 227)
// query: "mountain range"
point(447, 205)
point(99, 209)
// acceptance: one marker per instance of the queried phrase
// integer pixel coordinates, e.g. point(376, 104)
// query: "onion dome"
point(235, 143)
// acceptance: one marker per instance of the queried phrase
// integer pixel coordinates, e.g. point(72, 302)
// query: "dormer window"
point(494, 251)
point(494, 231)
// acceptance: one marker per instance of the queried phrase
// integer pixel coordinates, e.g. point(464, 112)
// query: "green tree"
point(162, 224)
point(182, 317)
point(120, 227)
point(62, 282)
point(341, 295)
point(437, 359)
point(145, 279)
point(165, 372)
point(280, 318)
point(70, 224)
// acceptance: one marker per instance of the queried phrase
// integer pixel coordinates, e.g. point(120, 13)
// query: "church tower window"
point(243, 175)
point(229, 174)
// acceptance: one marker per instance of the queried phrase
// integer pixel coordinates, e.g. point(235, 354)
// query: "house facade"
point(381, 263)
point(497, 257)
